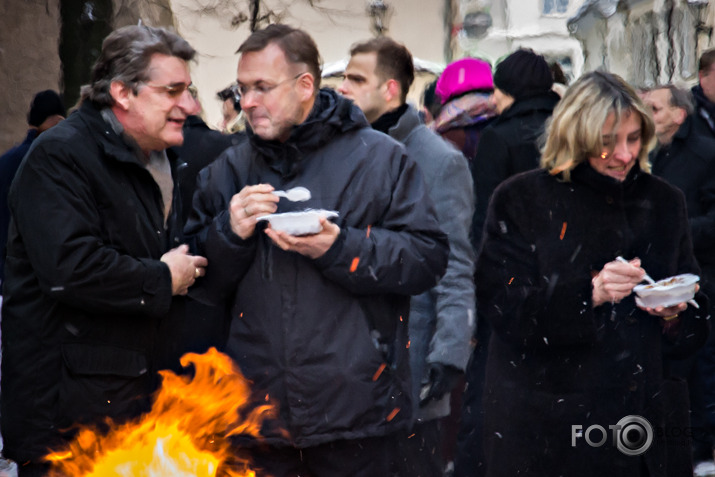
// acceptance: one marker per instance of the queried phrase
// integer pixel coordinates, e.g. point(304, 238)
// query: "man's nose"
point(342, 89)
point(189, 104)
point(249, 99)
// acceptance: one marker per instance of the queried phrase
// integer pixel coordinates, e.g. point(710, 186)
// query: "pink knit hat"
point(467, 74)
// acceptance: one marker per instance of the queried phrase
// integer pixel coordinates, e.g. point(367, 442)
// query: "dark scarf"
point(389, 119)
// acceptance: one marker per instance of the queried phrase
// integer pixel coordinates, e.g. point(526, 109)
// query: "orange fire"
point(183, 435)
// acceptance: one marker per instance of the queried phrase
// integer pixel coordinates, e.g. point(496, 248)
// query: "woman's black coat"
point(555, 361)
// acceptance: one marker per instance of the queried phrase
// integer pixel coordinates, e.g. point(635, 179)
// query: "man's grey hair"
point(679, 98)
point(125, 57)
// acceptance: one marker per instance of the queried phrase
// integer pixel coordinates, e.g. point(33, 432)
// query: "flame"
point(183, 435)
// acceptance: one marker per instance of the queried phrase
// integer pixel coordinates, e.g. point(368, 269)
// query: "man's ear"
point(306, 85)
point(120, 93)
point(392, 89)
point(680, 116)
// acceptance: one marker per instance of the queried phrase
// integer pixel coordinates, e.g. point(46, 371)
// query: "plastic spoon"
point(296, 194)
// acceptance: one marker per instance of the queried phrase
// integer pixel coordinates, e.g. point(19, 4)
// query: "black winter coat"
point(689, 164)
point(85, 293)
point(202, 145)
point(554, 360)
point(704, 115)
point(507, 146)
point(326, 339)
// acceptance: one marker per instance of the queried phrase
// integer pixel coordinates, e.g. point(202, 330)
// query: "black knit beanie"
point(523, 74)
point(45, 104)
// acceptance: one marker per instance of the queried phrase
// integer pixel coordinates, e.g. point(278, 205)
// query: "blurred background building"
point(51, 44)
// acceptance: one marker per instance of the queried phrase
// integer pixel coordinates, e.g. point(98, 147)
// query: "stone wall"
point(29, 52)
point(29, 61)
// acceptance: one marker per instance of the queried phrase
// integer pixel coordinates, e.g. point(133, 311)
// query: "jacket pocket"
point(102, 381)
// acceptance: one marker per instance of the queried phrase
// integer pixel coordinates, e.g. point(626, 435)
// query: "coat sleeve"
point(209, 229)
point(453, 296)
point(693, 325)
point(57, 216)
point(405, 253)
point(703, 225)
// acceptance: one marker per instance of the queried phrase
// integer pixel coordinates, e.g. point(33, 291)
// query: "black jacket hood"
point(331, 114)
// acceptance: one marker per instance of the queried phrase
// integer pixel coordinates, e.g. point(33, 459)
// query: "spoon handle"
point(646, 277)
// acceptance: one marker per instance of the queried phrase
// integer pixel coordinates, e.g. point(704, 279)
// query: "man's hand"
point(184, 267)
point(249, 204)
point(312, 246)
point(616, 281)
point(441, 380)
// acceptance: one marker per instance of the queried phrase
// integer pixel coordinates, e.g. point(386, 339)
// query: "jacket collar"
point(389, 119)
point(409, 120)
point(32, 134)
point(542, 102)
point(704, 107)
point(584, 173)
point(680, 139)
point(110, 140)
point(684, 130)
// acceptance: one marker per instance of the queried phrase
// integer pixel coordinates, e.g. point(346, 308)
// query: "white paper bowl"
point(299, 223)
point(667, 292)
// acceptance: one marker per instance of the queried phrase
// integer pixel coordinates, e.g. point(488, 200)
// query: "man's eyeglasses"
point(261, 89)
point(174, 90)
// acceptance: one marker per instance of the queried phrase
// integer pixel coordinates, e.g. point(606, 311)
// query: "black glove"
point(441, 379)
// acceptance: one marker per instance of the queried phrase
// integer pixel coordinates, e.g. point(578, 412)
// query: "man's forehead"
point(661, 95)
point(262, 64)
point(170, 67)
point(366, 61)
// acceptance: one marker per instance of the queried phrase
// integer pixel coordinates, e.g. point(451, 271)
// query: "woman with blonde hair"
point(575, 382)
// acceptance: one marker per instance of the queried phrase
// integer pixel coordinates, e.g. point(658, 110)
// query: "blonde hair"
point(574, 132)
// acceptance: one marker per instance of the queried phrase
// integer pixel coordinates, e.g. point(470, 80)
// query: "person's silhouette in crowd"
point(46, 110)
point(377, 79)
point(96, 264)
point(318, 321)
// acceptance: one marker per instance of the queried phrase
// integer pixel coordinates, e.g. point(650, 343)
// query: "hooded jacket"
point(85, 294)
point(324, 339)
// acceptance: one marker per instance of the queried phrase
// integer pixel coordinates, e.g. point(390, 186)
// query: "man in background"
point(232, 121)
point(441, 323)
point(686, 159)
point(704, 95)
point(523, 100)
point(46, 110)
